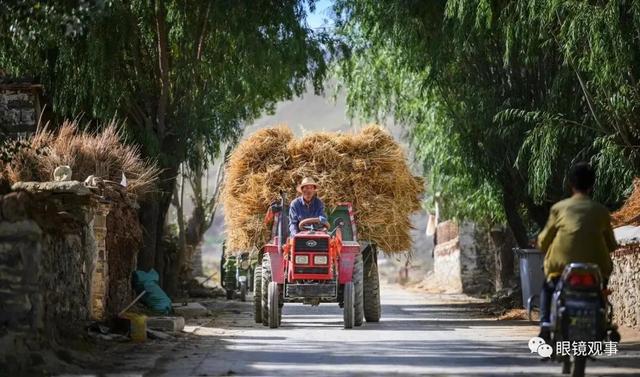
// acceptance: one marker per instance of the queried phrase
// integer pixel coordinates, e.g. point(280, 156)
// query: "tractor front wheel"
point(358, 277)
point(349, 295)
point(257, 294)
point(274, 306)
point(264, 297)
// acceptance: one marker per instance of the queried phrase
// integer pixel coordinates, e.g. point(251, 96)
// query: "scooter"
point(580, 313)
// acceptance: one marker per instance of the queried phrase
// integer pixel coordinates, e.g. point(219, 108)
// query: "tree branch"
point(163, 64)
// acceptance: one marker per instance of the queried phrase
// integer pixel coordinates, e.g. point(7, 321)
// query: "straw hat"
point(307, 181)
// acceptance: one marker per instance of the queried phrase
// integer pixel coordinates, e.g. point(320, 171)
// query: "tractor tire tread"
point(257, 295)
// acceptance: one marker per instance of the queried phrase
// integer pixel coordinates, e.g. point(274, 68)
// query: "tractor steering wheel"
point(311, 221)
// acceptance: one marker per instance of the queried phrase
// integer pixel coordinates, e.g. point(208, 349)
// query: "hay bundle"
point(368, 169)
point(629, 214)
point(84, 152)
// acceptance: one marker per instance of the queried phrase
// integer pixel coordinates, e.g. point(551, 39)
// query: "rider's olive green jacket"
point(578, 230)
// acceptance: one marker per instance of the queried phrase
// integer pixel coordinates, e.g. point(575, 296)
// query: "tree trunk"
point(153, 214)
point(511, 204)
point(539, 213)
point(503, 244)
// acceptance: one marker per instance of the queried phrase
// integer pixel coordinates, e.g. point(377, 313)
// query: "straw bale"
point(368, 169)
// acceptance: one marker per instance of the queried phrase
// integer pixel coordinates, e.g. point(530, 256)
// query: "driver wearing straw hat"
point(306, 205)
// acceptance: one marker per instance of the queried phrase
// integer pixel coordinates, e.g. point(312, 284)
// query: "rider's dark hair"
point(582, 177)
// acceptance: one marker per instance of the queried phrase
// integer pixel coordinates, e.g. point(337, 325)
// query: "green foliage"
point(500, 97)
point(226, 62)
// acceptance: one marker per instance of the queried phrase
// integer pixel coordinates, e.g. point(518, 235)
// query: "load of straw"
point(368, 169)
point(85, 153)
point(629, 214)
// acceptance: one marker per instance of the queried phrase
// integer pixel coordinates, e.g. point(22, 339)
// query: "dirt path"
point(420, 333)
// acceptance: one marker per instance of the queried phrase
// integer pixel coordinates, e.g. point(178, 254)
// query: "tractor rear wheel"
point(371, 286)
point(266, 279)
point(257, 294)
point(348, 311)
point(358, 276)
point(274, 305)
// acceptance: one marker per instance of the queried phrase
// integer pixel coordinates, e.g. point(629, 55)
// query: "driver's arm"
point(293, 220)
point(322, 213)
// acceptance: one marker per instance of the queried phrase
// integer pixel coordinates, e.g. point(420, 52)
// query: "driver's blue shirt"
point(300, 210)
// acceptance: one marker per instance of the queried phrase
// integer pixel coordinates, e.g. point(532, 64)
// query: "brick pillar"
point(100, 276)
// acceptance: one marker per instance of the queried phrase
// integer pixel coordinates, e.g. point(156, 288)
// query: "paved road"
point(420, 334)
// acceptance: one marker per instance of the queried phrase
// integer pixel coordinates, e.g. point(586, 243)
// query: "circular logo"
point(311, 243)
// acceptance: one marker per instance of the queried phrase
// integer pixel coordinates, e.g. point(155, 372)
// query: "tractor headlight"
point(302, 259)
point(244, 265)
point(320, 259)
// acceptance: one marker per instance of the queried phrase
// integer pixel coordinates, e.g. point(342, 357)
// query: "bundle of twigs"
point(86, 153)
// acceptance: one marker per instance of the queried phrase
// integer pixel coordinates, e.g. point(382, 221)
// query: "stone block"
point(12, 116)
point(18, 97)
point(22, 229)
point(28, 116)
point(13, 207)
point(168, 324)
point(20, 103)
point(191, 310)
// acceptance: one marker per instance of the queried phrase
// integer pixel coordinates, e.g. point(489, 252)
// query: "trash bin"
point(531, 275)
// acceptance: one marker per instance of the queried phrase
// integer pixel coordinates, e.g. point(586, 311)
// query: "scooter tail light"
point(582, 280)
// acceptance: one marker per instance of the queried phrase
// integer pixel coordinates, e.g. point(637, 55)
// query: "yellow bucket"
point(138, 327)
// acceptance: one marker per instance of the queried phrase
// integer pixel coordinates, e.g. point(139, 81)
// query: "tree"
point(496, 110)
point(182, 73)
point(204, 184)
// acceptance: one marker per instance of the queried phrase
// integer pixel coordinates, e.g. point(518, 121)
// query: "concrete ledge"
point(66, 187)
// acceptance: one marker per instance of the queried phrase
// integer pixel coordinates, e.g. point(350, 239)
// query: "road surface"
point(420, 334)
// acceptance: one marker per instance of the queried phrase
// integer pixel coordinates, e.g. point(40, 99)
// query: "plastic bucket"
point(138, 327)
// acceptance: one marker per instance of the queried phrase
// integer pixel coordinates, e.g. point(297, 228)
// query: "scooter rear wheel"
point(579, 366)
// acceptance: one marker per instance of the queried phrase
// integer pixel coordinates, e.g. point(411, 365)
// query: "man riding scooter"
point(578, 230)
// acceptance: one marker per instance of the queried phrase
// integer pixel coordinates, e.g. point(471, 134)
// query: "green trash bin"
point(531, 276)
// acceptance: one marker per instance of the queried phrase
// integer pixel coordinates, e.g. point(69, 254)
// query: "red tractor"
point(317, 265)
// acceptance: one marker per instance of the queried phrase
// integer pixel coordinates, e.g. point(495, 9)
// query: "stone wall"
point(48, 254)
point(19, 108)
point(122, 245)
point(625, 284)
point(463, 259)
